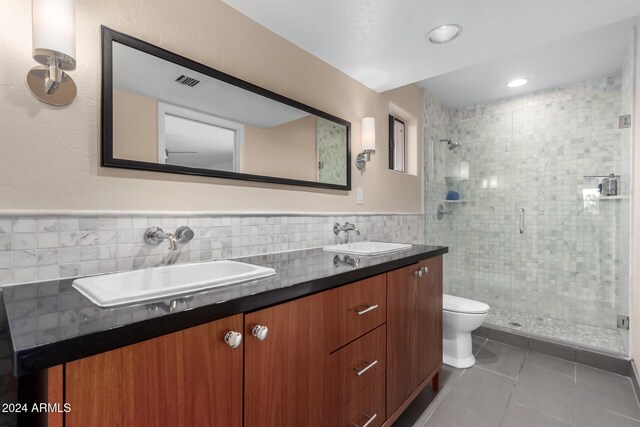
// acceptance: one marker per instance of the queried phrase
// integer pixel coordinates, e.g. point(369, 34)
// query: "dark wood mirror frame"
point(109, 36)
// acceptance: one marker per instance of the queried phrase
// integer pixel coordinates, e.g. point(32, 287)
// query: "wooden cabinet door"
point(188, 378)
point(402, 335)
point(430, 324)
point(286, 374)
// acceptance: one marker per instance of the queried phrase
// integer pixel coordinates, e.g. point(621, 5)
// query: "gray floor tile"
point(511, 387)
point(546, 392)
point(508, 338)
point(482, 393)
point(593, 416)
point(520, 416)
point(560, 351)
point(477, 343)
point(450, 416)
point(542, 361)
point(448, 374)
point(420, 405)
point(606, 390)
point(481, 332)
point(501, 358)
point(601, 361)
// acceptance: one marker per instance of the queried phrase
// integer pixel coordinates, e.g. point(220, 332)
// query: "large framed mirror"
point(163, 112)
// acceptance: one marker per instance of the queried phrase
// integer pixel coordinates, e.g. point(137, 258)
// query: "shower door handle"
point(522, 221)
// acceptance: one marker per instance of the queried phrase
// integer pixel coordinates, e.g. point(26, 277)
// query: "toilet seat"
point(463, 305)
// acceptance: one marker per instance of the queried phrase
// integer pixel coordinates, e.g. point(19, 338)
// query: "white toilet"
point(460, 316)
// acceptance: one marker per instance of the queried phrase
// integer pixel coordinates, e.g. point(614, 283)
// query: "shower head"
point(451, 144)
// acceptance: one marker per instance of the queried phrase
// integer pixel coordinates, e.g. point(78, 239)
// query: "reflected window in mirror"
point(193, 139)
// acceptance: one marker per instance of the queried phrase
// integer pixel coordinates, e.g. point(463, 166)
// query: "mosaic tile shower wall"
point(330, 139)
point(532, 152)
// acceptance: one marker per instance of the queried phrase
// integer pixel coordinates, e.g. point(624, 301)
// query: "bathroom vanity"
point(324, 343)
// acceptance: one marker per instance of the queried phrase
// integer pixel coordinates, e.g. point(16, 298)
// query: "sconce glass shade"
point(54, 46)
point(54, 32)
point(368, 142)
point(369, 134)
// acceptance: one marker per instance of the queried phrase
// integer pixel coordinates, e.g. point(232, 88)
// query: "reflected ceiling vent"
point(187, 81)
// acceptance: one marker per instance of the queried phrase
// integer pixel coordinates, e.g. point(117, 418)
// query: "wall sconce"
point(54, 46)
point(368, 142)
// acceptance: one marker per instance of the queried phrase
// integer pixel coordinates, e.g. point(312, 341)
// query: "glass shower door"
point(566, 284)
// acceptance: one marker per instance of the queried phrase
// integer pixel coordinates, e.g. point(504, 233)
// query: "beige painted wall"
point(51, 158)
point(135, 127)
point(287, 151)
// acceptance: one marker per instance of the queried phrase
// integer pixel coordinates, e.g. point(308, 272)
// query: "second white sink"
point(155, 283)
point(367, 248)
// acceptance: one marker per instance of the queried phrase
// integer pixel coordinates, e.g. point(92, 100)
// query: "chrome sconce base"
point(48, 82)
point(363, 158)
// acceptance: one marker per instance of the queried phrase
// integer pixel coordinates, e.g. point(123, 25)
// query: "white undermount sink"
point(367, 248)
point(155, 283)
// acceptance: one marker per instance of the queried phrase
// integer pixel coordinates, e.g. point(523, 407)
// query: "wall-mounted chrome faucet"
point(155, 235)
point(346, 228)
point(339, 261)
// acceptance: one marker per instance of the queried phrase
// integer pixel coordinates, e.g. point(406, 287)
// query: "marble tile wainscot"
point(47, 247)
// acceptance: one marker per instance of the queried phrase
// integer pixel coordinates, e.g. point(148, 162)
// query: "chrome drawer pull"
point(370, 419)
point(366, 368)
point(368, 309)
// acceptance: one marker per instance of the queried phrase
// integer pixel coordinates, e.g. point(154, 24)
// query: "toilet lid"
point(463, 305)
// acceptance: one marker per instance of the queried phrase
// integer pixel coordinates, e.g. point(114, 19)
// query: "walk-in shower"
point(532, 233)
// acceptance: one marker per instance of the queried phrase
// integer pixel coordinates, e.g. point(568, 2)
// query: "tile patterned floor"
point(513, 387)
point(593, 337)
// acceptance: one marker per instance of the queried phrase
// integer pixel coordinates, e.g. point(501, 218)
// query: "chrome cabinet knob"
point(233, 339)
point(418, 273)
point(425, 270)
point(260, 332)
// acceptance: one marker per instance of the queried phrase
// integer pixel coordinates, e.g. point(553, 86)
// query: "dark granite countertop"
point(52, 323)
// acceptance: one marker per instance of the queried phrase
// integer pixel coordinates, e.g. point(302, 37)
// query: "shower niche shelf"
point(605, 198)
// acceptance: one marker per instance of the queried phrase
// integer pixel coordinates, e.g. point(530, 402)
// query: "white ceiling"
point(138, 72)
point(595, 53)
point(382, 42)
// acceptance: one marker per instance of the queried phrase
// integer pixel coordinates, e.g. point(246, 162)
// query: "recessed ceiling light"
point(444, 33)
point(517, 82)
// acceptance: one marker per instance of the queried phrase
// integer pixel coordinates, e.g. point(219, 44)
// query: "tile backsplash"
point(45, 247)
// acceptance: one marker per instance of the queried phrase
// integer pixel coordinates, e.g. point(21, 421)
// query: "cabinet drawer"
point(357, 365)
point(367, 407)
point(355, 309)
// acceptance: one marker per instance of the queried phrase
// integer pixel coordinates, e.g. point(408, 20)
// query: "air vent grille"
point(187, 81)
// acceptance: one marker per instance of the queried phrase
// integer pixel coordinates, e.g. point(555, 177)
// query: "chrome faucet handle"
point(350, 227)
point(154, 236)
point(337, 228)
point(184, 234)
